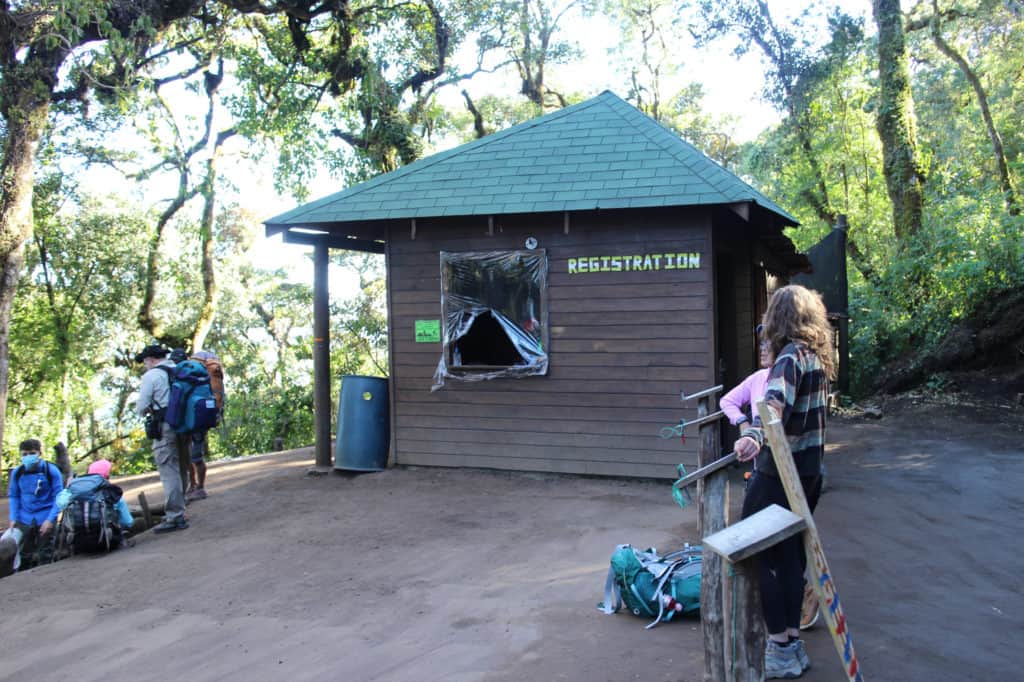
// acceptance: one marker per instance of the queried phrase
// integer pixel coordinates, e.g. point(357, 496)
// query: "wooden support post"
point(321, 359)
point(843, 380)
point(713, 501)
point(748, 624)
point(821, 576)
point(146, 515)
point(490, 226)
point(738, 544)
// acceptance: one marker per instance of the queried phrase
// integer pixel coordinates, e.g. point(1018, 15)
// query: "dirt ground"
point(467, 575)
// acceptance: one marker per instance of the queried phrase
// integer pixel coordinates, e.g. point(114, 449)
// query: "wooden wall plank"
point(502, 398)
point(513, 451)
point(487, 460)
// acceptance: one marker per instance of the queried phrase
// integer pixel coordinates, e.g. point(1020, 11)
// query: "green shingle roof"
point(599, 154)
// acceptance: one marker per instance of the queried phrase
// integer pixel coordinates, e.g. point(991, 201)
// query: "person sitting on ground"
point(88, 537)
point(32, 495)
point(154, 392)
point(797, 326)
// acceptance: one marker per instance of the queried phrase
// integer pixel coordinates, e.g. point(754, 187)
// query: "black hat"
point(178, 355)
point(152, 351)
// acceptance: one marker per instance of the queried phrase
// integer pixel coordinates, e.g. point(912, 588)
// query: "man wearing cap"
point(32, 494)
point(154, 392)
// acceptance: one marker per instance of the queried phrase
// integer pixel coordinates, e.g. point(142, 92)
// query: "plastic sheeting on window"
point(494, 315)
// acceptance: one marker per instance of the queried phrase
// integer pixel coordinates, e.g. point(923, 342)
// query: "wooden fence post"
point(712, 505)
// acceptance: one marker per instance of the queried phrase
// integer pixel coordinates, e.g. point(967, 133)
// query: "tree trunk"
point(1009, 195)
point(904, 176)
point(211, 292)
point(25, 113)
point(147, 319)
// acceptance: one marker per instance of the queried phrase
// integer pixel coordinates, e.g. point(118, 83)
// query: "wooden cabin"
point(553, 288)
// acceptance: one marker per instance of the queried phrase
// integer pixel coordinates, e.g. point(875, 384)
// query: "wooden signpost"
point(821, 576)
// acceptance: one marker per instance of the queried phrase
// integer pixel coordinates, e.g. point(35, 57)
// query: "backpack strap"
point(50, 468)
point(170, 380)
point(666, 576)
point(611, 590)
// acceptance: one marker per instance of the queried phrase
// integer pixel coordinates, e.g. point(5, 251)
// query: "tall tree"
point(84, 265)
point(36, 42)
point(792, 75)
point(935, 20)
point(58, 53)
point(904, 172)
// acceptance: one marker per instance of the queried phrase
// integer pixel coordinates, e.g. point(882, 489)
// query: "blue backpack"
point(90, 521)
point(191, 405)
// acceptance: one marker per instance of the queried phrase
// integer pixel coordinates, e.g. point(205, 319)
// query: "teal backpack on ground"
point(653, 585)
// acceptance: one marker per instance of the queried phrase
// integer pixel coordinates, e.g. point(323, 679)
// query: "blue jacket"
point(33, 494)
point(85, 486)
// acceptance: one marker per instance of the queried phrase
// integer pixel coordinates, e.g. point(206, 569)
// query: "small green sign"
point(428, 331)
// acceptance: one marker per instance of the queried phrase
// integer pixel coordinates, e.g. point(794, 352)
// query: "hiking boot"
point(801, 654)
point(195, 494)
point(780, 662)
point(809, 608)
point(169, 526)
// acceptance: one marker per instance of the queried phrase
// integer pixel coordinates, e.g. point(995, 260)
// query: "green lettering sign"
point(428, 331)
point(639, 262)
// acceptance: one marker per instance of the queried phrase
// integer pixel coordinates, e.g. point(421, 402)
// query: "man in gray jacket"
point(154, 392)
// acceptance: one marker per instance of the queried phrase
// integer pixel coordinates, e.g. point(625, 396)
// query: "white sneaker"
point(780, 662)
point(801, 655)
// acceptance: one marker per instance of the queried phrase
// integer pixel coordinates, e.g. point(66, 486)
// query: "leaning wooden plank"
point(700, 473)
point(821, 576)
point(760, 531)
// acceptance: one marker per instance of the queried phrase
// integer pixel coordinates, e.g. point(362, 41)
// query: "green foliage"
point(965, 256)
point(359, 334)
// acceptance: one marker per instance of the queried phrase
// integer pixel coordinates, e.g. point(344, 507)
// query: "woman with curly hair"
point(796, 325)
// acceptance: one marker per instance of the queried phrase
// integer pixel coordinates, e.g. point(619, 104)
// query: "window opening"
point(495, 315)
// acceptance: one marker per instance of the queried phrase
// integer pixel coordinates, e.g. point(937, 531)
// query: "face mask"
point(30, 461)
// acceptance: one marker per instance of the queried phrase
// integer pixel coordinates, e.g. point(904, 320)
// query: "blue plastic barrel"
point(364, 430)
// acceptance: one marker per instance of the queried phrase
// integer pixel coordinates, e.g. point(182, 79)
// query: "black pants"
point(781, 567)
point(36, 549)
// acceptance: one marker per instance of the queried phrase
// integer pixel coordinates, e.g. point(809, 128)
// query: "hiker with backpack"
point(182, 440)
point(32, 495)
point(200, 438)
point(796, 325)
point(95, 513)
point(152, 404)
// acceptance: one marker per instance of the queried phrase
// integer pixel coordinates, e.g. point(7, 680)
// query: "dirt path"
point(455, 575)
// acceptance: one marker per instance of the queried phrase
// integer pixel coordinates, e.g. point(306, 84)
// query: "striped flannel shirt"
point(797, 380)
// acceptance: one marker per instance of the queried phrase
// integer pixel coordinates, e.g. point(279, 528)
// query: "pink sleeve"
point(748, 390)
point(732, 402)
